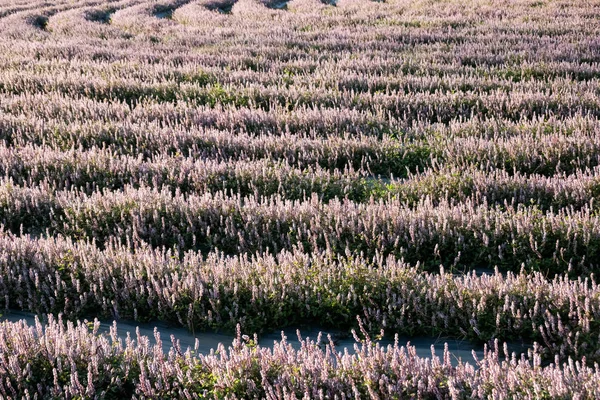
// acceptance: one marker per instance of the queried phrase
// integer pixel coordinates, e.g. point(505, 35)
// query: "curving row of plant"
point(265, 292)
point(73, 362)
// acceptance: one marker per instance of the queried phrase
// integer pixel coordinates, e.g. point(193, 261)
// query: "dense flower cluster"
point(263, 163)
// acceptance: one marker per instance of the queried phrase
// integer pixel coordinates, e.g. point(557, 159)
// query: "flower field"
point(417, 167)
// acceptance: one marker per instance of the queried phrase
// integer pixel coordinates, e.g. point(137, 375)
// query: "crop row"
point(322, 78)
point(463, 235)
point(73, 361)
point(542, 153)
point(99, 170)
point(263, 292)
point(304, 122)
point(433, 71)
point(439, 106)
